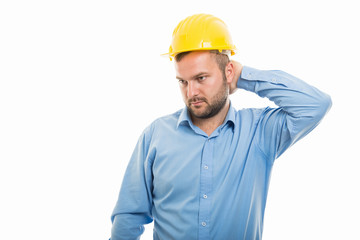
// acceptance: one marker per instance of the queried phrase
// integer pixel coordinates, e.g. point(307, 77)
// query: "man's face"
point(203, 87)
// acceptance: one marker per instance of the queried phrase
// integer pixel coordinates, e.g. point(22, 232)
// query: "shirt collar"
point(185, 117)
point(230, 117)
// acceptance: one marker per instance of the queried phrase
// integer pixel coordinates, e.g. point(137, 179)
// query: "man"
point(203, 172)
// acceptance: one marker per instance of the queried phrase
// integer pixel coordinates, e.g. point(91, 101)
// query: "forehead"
point(197, 61)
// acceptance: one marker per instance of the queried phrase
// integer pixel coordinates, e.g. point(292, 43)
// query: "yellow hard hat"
point(200, 32)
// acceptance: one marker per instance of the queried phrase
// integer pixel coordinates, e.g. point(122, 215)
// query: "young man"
point(203, 172)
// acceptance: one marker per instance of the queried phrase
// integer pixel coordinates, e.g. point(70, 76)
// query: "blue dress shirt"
point(195, 186)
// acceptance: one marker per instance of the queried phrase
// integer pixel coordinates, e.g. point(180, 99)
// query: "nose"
point(192, 89)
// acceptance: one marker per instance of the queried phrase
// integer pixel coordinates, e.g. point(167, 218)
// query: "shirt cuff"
point(247, 75)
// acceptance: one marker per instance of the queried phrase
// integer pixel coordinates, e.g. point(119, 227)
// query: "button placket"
point(205, 189)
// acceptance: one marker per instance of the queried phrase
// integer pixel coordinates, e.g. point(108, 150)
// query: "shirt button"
point(204, 196)
point(206, 167)
point(203, 224)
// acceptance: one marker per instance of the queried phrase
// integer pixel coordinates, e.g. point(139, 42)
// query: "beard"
point(213, 106)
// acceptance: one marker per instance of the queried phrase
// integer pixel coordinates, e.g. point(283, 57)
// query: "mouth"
point(197, 103)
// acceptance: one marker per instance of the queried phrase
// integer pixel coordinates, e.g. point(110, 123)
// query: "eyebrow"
point(195, 76)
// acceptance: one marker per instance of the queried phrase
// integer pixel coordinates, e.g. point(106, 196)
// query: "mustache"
point(197, 99)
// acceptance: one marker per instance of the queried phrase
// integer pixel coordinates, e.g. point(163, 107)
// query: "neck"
point(209, 125)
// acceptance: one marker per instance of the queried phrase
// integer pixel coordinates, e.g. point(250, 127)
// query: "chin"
point(203, 114)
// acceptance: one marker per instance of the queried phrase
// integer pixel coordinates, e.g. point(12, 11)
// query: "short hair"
point(222, 58)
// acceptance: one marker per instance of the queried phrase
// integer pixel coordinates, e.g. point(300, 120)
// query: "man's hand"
point(237, 71)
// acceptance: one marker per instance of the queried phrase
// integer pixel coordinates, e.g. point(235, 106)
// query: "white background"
point(80, 80)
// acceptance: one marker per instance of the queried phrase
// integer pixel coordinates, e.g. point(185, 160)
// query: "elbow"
point(313, 116)
point(326, 104)
point(323, 107)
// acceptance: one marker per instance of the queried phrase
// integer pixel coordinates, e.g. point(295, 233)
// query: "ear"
point(229, 72)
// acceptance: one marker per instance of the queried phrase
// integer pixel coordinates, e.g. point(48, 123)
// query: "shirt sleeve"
point(133, 208)
point(301, 108)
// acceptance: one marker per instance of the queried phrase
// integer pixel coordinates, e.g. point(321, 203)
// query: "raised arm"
point(301, 107)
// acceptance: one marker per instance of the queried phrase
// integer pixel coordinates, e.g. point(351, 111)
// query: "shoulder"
point(252, 116)
point(164, 122)
point(251, 112)
point(169, 118)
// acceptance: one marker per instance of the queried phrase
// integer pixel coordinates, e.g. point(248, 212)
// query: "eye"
point(201, 78)
point(182, 82)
